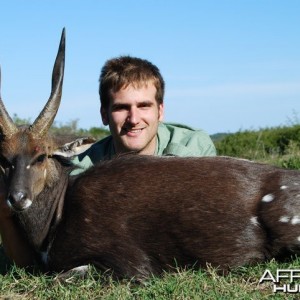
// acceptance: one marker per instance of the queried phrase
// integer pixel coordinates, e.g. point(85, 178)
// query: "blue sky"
point(228, 65)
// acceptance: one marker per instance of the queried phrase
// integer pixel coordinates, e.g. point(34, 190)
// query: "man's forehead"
point(148, 91)
point(138, 85)
point(134, 96)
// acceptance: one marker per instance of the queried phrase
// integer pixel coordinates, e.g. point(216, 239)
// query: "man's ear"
point(104, 116)
point(161, 112)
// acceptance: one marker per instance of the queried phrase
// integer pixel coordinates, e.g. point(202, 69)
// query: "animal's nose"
point(18, 200)
point(14, 197)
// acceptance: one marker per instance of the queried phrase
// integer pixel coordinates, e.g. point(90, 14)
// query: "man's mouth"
point(133, 131)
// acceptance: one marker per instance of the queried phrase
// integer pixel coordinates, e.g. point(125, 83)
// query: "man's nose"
point(133, 116)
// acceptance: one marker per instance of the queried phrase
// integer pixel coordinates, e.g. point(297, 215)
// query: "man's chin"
point(139, 147)
point(133, 149)
point(130, 145)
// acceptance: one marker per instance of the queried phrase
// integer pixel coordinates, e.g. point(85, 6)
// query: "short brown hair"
point(119, 72)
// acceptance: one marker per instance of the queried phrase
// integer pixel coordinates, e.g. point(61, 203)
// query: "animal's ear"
point(74, 148)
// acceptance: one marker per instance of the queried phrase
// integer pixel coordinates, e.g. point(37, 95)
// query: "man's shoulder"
point(176, 128)
point(101, 150)
point(182, 140)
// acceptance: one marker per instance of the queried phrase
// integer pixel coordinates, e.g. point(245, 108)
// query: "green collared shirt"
point(178, 140)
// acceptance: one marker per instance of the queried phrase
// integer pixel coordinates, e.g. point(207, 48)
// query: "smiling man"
point(131, 93)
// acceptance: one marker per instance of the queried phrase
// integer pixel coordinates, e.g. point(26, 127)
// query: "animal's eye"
point(5, 167)
point(41, 158)
point(5, 164)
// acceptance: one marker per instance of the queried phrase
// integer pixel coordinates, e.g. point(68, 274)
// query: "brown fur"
point(140, 215)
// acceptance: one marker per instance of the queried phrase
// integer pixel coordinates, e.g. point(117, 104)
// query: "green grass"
point(242, 283)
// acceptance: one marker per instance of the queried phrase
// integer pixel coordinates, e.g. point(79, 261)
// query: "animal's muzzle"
point(18, 201)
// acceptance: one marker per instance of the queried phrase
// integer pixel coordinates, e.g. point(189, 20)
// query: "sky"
point(228, 65)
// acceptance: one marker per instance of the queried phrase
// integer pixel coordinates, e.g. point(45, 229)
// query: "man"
point(131, 92)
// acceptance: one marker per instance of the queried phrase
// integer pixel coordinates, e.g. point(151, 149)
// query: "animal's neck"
point(41, 219)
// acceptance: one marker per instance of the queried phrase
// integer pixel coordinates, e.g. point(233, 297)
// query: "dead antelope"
point(139, 215)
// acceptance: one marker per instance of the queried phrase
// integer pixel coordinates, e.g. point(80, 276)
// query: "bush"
point(260, 144)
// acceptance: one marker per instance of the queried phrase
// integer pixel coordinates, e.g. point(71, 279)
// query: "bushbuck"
point(139, 215)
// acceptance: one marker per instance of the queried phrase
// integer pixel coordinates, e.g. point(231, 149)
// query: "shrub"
point(260, 144)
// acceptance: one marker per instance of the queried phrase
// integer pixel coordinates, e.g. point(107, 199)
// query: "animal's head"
point(25, 150)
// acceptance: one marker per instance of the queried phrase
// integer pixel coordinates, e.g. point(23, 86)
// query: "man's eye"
point(119, 108)
point(145, 105)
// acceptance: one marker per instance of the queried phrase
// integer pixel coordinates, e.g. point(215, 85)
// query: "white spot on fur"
point(44, 257)
point(45, 173)
point(284, 219)
point(296, 183)
point(268, 198)
point(295, 220)
point(254, 221)
point(27, 203)
point(80, 271)
point(28, 167)
point(283, 187)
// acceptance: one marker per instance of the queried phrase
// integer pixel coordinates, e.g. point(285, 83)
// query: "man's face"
point(133, 116)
